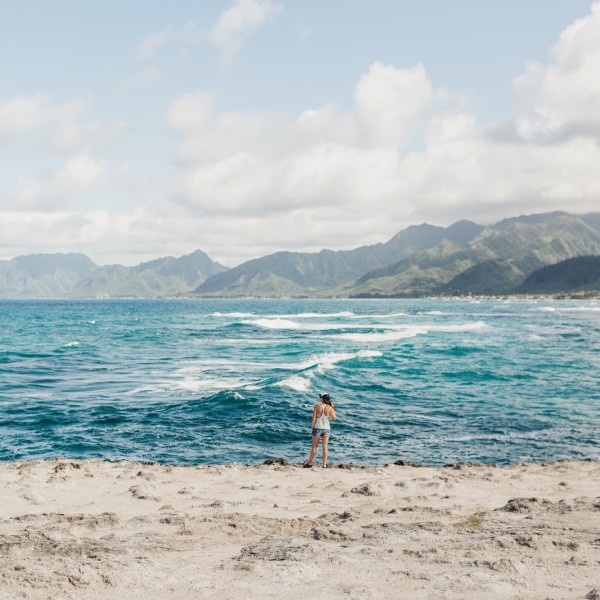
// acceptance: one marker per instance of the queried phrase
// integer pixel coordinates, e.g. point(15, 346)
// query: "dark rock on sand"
point(365, 489)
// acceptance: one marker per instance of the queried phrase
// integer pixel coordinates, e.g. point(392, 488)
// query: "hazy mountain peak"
point(42, 275)
point(532, 219)
point(462, 231)
point(38, 264)
point(75, 275)
point(160, 277)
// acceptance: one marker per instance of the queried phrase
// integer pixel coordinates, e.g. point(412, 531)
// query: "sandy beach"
point(91, 529)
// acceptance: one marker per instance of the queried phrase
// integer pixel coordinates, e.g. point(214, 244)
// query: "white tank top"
point(322, 422)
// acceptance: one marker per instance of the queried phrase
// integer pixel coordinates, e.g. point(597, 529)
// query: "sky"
point(131, 131)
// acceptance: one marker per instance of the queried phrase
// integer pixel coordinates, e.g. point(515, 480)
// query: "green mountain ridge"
point(579, 274)
point(318, 274)
point(496, 261)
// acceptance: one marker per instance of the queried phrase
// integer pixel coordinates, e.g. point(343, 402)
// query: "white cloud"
point(62, 128)
point(78, 176)
point(255, 182)
point(143, 76)
point(189, 34)
point(229, 33)
point(250, 163)
point(390, 102)
point(104, 237)
point(405, 152)
point(563, 98)
point(238, 22)
point(191, 112)
point(151, 44)
point(93, 138)
point(23, 115)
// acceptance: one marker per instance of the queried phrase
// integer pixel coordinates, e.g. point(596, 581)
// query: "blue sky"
point(243, 127)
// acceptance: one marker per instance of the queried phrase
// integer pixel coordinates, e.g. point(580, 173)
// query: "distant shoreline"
point(512, 297)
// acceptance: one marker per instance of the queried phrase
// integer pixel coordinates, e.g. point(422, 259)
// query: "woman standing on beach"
point(321, 428)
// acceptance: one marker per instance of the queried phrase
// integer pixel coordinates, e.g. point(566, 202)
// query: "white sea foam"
point(314, 315)
point(295, 382)
point(253, 341)
point(368, 354)
point(280, 323)
point(389, 336)
point(383, 316)
point(477, 326)
point(196, 365)
point(399, 332)
point(302, 315)
point(70, 345)
point(329, 360)
point(193, 384)
point(145, 388)
point(544, 309)
point(253, 387)
point(325, 361)
point(553, 330)
point(274, 323)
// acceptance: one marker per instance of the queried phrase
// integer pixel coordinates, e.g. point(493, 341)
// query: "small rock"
point(519, 504)
point(365, 489)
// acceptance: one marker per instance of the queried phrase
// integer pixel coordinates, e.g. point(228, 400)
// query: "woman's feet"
point(307, 465)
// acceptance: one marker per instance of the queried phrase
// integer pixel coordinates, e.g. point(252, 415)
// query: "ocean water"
point(215, 381)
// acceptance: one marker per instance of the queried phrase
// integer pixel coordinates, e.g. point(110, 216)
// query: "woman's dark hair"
point(326, 398)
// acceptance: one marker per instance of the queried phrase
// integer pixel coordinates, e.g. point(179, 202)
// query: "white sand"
point(91, 529)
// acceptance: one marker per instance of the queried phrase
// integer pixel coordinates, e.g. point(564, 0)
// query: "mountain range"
point(421, 260)
point(76, 276)
point(513, 256)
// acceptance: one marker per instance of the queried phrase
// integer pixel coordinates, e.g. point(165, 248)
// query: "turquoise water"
point(215, 381)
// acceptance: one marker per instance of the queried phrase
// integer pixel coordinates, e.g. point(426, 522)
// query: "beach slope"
point(91, 529)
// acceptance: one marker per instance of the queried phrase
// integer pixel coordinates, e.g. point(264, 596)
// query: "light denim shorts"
point(321, 433)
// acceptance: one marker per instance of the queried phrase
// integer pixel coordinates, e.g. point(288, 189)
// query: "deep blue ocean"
point(216, 381)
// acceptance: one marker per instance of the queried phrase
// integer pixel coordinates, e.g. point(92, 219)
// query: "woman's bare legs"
point(325, 442)
point(313, 450)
